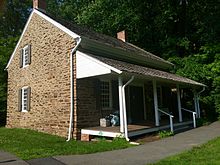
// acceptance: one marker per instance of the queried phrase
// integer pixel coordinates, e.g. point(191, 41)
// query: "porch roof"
point(125, 67)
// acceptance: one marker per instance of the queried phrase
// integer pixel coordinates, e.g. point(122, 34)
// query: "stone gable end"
point(48, 75)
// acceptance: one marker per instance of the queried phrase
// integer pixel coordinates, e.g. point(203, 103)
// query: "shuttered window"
point(25, 56)
point(24, 99)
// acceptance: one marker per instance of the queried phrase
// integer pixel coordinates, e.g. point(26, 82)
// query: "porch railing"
point(171, 118)
point(193, 114)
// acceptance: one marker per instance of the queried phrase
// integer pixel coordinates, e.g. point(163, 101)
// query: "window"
point(24, 99)
point(106, 100)
point(25, 57)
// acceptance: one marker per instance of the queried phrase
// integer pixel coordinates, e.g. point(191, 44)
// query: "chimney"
point(40, 5)
point(121, 35)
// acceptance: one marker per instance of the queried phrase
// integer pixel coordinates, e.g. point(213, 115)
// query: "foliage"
point(204, 154)
point(68, 9)
point(167, 28)
point(6, 47)
point(12, 17)
point(204, 67)
point(164, 134)
point(28, 144)
point(202, 122)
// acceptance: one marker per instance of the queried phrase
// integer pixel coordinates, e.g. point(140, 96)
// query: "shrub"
point(164, 134)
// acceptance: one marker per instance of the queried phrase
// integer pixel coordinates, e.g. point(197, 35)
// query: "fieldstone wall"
point(88, 106)
point(48, 75)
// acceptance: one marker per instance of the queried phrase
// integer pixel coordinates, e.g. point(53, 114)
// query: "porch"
point(134, 129)
point(137, 93)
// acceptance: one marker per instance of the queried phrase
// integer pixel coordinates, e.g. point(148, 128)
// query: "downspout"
point(197, 100)
point(78, 40)
point(124, 108)
point(203, 89)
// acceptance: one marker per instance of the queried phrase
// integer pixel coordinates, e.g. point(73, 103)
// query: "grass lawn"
point(208, 153)
point(28, 144)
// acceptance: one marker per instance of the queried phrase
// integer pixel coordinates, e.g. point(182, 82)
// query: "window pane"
point(24, 99)
point(105, 94)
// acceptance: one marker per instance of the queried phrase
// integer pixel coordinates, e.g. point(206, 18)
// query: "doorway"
point(136, 104)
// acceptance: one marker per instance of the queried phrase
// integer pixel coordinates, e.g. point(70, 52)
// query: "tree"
point(13, 16)
point(204, 67)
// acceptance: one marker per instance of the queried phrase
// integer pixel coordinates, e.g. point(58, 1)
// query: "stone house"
point(62, 79)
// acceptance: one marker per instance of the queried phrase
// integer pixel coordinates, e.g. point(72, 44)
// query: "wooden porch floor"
point(116, 129)
point(133, 129)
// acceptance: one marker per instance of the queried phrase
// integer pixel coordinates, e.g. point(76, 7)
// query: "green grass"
point(206, 154)
point(28, 144)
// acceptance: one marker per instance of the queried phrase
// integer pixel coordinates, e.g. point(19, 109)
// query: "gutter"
point(78, 41)
point(197, 101)
point(124, 108)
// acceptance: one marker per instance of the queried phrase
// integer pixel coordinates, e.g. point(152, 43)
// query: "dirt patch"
point(146, 138)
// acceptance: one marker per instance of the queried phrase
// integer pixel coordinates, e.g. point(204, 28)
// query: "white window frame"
point(24, 92)
point(110, 95)
point(25, 56)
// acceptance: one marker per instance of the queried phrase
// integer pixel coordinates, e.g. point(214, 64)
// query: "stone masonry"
point(48, 75)
point(89, 112)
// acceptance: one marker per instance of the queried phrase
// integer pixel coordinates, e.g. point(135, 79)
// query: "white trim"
point(98, 62)
point(196, 105)
point(120, 84)
point(58, 25)
point(18, 43)
point(131, 133)
point(124, 108)
point(100, 133)
point(22, 99)
point(78, 41)
point(24, 56)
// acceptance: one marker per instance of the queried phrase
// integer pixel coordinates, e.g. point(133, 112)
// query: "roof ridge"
point(86, 29)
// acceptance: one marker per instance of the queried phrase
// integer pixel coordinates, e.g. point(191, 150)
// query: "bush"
point(204, 67)
point(164, 134)
point(202, 122)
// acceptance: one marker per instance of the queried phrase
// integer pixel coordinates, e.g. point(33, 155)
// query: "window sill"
point(25, 66)
point(24, 111)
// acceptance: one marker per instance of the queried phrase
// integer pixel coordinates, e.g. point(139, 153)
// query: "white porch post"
point(157, 123)
point(179, 103)
point(196, 105)
point(120, 84)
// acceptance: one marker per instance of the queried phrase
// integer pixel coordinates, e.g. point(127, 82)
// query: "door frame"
point(144, 99)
